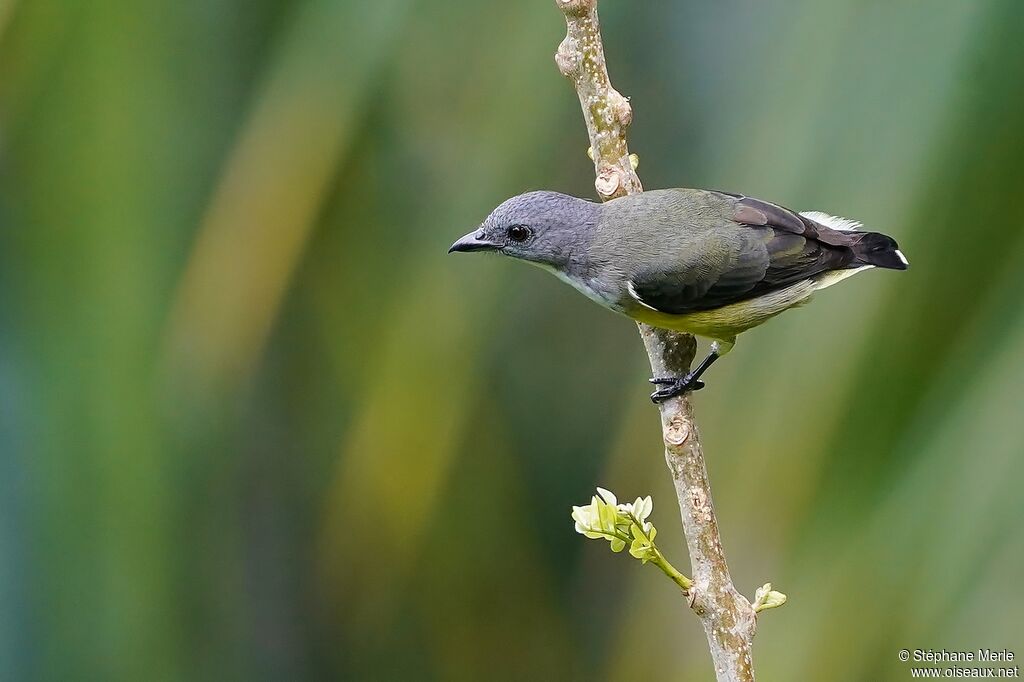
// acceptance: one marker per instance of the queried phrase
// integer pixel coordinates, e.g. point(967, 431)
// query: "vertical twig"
point(729, 619)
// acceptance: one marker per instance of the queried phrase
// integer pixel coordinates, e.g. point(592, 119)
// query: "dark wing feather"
point(718, 267)
point(778, 247)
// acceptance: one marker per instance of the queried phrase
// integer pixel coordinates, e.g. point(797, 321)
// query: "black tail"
point(874, 248)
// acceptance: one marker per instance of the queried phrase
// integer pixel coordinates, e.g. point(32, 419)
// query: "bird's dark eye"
point(519, 233)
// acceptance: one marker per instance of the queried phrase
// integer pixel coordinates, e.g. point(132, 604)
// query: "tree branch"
point(728, 618)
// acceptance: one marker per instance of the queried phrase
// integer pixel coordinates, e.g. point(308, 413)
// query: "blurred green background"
point(255, 424)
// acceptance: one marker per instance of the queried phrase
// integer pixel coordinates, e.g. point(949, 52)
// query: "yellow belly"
point(726, 322)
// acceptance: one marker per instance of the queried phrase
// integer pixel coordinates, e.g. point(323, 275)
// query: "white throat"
point(584, 287)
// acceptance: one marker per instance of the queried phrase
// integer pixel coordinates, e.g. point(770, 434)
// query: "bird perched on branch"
point(709, 263)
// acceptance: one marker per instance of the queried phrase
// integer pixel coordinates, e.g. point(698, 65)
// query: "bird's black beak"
point(474, 241)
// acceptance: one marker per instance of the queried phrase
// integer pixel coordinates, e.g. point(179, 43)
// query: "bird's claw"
point(674, 386)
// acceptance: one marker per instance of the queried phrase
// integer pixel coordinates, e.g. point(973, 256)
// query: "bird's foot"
point(675, 386)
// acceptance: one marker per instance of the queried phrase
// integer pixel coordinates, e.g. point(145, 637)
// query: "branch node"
point(568, 57)
point(677, 430)
point(608, 182)
point(619, 106)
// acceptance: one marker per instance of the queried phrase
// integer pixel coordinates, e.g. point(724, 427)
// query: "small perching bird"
point(709, 263)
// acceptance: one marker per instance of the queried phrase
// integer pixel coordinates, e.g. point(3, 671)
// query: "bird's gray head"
point(546, 228)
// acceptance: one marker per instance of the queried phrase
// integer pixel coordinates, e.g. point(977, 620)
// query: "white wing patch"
point(835, 222)
point(636, 296)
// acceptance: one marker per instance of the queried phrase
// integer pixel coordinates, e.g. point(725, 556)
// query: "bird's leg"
point(676, 385)
point(691, 382)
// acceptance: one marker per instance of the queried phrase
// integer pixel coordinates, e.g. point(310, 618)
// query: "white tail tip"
point(835, 222)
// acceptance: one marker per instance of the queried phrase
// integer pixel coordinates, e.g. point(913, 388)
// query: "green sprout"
point(626, 524)
point(766, 598)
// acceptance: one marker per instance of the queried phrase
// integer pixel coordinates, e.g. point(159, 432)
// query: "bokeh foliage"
point(254, 424)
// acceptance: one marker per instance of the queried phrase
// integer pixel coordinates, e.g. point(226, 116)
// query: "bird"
point(705, 262)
